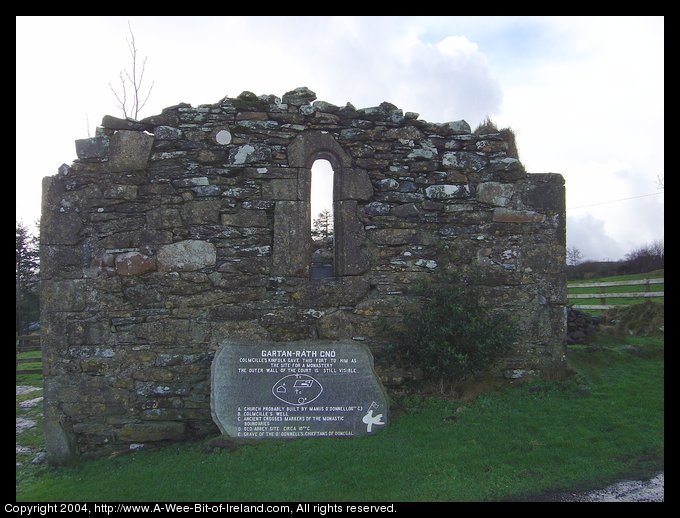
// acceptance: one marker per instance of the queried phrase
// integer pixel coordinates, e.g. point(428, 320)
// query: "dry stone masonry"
point(173, 235)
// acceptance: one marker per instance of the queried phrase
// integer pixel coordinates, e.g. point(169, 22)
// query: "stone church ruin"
point(174, 234)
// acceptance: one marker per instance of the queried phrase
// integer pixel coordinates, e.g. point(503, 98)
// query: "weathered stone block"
point(121, 192)
point(495, 193)
point(388, 184)
point(508, 167)
point(281, 190)
point(58, 443)
point(246, 218)
point(355, 185)
point(167, 133)
point(423, 166)
point(545, 192)
point(337, 325)
point(408, 210)
point(350, 240)
point(129, 150)
point(311, 145)
point(376, 208)
point(445, 192)
point(248, 154)
point(299, 96)
point(292, 239)
point(191, 182)
point(115, 123)
point(64, 295)
point(463, 160)
point(426, 151)
point(95, 147)
point(403, 197)
point(341, 291)
point(134, 263)
point(152, 431)
point(395, 236)
point(61, 228)
point(517, 216)
point(458, 127)
point(204, 191)
point(199, 212)
point(186, 256)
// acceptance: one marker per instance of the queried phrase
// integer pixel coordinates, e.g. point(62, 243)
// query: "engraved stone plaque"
point(276, 390)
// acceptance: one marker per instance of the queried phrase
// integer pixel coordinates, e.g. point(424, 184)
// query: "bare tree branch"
point(135, 82)
point(122, 102)
point(574, 256)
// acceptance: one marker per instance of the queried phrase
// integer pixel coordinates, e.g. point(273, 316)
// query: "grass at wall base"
point(604, 424)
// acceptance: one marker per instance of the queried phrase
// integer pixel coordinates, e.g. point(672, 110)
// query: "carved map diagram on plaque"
point(269, 390)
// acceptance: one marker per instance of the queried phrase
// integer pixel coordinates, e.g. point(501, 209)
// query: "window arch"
point(292, 242)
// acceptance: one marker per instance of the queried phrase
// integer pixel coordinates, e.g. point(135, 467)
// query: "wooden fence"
point(603, 295)
point(28, 343)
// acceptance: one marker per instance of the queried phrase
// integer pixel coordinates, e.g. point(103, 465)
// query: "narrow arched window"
point(322, 222)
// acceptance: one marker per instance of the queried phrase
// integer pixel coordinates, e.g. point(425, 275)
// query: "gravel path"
point(628, 491)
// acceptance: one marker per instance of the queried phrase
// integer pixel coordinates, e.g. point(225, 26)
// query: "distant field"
point(623, 301)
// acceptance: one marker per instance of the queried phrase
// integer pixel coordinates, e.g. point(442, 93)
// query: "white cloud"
point(588, 234)
point(596, 116)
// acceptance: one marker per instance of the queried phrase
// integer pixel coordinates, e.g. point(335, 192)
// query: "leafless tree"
point(574, 256)
point(131, 102)
point(659, 181)
point(647, 257)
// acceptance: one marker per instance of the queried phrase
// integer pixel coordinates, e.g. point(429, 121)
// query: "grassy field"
point(657, 274)
point(601, 425)
point(30, 379)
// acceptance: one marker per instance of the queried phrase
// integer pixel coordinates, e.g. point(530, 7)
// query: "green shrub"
point(450, 337)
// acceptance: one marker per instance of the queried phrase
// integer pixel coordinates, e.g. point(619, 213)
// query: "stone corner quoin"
point(169, 235)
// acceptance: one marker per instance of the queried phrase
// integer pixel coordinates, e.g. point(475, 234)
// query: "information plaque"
point(277, 390)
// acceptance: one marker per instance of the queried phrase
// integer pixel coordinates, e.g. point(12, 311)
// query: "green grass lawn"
point(30, 379)
point(656, 274)
point(603, 424)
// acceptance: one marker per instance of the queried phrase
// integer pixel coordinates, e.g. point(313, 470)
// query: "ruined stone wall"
point(172, 234)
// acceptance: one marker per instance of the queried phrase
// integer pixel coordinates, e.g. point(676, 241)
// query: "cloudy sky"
point(585, 96)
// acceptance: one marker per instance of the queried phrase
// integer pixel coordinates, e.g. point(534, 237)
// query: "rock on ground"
point(25, 389)
point(30, 403)
point(24, 424)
